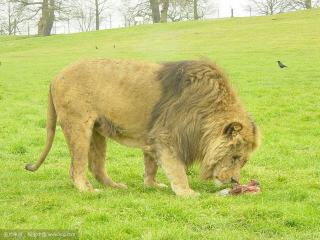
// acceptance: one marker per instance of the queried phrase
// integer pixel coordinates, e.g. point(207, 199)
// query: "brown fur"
point(177, 113)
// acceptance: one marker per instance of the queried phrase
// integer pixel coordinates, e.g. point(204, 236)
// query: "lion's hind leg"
point(150, 171)
point(97, 159)
point(78, 134)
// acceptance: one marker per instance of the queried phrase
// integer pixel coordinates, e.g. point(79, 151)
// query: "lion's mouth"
point(217, 182)
point(234, 182)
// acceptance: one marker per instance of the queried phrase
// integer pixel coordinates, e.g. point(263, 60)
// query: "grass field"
point(285, 104)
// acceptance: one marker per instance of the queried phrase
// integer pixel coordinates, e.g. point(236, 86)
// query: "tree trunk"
point(307, 4)
point(15, 27)
point(154, 4)
point(164, 11)
point(47, 18)
point(110, 21)
point(195, 10)
point(97, 15)
point(9, 19)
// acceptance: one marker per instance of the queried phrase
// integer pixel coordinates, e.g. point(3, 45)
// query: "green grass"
point(285, 104)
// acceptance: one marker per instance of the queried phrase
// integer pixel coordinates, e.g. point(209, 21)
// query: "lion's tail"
point(51, 129)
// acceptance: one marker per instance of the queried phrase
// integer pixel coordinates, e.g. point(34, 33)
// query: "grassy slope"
point(285, 104)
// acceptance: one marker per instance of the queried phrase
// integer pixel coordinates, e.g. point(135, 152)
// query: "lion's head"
point(229, 152)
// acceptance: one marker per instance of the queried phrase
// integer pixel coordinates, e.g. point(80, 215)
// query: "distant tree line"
point(162, 11)
point(270, 7)
point(88, 14)
point(45, 12)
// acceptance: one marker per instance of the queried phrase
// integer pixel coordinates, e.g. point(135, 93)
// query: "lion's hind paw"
point(119, 186)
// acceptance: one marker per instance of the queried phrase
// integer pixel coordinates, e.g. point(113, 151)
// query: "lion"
point(178, 113)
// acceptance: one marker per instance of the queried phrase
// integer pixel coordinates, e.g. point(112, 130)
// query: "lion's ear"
point(232, 129)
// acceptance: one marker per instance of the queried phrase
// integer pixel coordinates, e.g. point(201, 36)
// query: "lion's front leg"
point(176, 173)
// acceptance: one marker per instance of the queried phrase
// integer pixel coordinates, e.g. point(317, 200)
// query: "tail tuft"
point(30, 167)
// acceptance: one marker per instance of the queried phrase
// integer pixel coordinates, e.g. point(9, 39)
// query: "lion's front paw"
point(188, 193)
point(107, 182)
point(83, 186)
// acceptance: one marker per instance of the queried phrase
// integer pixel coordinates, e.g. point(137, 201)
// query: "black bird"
point(281, 65)
point(97, 47)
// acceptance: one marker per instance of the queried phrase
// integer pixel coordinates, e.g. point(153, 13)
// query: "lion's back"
point(123, 90)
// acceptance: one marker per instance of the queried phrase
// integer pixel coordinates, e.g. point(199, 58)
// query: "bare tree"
point(6, 16)
point(96, 3)
point(304, 4)
point(47, 17)
point(157, 15)
point(155, 8)
point(2, 5)
point(201, 8)
point(195, 10)
point(84, 14)
point(164, 11)
point(88, 14)
point(180, 10)
point(10, 18)
point(131, 11)
point(269, 7)
point(100, 6)
point(47, 10)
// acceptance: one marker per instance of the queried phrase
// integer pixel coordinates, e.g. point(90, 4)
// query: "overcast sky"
point(237, 5)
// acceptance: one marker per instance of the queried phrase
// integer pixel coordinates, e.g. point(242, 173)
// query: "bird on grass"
point(281, 65)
